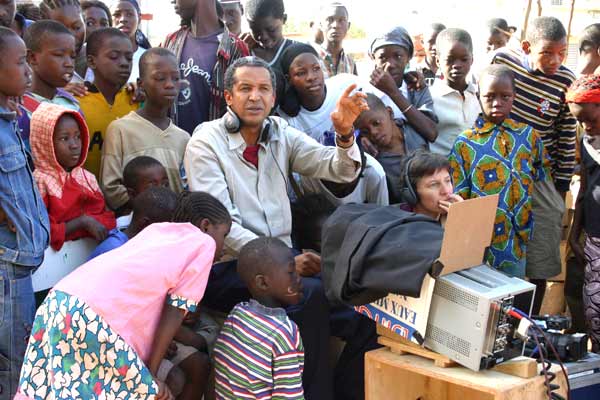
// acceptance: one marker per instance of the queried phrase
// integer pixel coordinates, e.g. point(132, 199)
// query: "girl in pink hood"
point(59, 143)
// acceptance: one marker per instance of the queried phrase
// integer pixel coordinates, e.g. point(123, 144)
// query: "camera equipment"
point(570, 347)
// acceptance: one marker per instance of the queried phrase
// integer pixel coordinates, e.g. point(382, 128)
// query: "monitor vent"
point(457, 296)
point(448, 340)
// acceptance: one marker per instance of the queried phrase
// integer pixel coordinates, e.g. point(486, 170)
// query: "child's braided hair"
point(47, 5)
point(195, 206)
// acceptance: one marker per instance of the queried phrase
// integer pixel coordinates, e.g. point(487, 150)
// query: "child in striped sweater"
point(259, 352)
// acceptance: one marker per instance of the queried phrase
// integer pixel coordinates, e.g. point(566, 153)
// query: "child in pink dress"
point(104, 329)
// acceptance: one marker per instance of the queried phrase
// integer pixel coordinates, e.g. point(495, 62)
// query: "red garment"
point(75, 202)
point(585, 89)
point(251, 155)
point(67, 195)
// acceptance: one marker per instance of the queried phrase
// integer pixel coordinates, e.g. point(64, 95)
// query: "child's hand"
point(136, 92)
point(163, 391)
point(415, 80)
point(383, 81)
point(247, 38)
point(347, 109)
point(77, 89)
point(369, 146)
point(95, 228)
point(308, 264)
point(444, 205)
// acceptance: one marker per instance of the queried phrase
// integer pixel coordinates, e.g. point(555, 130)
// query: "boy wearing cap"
point(391, 53)
point(334, 25)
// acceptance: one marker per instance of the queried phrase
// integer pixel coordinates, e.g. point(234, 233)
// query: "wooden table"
point(390, 376)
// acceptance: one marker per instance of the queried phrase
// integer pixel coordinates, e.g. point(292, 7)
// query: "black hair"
point(307, 211)
point(29, 11)
point(437, 27)
point(423, 163)
point(154, 51)
point(37, 32)
point(375, 103)
point(47, 5)
point(249, 61)
point(195, 206)
point(546, 28)
point(255, 9)
point(132, 169)
point(497, 25)
point(498, 71)
point(5, 35)
point(158, 204)
point(98, 37)
point(334, 4)
point(454, 35)
point(590, 37)
point(260, 256)
point(86, 4)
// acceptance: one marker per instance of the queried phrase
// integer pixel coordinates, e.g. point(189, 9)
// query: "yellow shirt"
point(98, 115)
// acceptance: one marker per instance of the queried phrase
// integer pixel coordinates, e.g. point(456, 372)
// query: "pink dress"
point(93, 334)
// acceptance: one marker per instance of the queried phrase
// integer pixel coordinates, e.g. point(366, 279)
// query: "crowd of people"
point(205, 168)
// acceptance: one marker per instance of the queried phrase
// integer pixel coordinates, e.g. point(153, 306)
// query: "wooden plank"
point(408, 377)
point(523, 367)
point(409, 348)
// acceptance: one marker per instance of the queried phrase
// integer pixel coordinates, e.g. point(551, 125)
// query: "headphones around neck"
point(408, 193)
point(232, 121)
point(233, 124)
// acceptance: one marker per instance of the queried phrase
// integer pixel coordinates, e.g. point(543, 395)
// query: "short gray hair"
point(249, 61)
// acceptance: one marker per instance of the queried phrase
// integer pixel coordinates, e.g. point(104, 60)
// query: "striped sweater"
point(258, 355)
point(540, 103)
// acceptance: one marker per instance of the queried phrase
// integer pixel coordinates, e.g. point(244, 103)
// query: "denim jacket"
point(20, 200)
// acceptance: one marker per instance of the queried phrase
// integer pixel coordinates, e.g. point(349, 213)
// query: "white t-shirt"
point(315, 123)
point(371, 188)
point(135, 65)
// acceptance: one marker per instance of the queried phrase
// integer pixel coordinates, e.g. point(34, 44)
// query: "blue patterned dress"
point(502, 159)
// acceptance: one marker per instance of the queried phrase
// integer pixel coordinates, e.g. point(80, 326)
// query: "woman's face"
point(431, 189)
point(126, 18)
point(306, 76)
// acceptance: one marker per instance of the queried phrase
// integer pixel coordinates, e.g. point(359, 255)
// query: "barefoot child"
point(141, 293)
point(59, 140)
point(583, 98)
point(501, 156)
point(272, 370)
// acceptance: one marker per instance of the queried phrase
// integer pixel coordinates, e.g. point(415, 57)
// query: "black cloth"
point(369, 251)
point(591, 199)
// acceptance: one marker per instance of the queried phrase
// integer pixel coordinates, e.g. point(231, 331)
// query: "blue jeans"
point(17, 309)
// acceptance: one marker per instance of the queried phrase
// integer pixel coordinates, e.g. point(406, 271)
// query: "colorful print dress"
point(92, 337)
point(502, 159)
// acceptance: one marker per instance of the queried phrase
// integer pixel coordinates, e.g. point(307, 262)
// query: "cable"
point(545, 367)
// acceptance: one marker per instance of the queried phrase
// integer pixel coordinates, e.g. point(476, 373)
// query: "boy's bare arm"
point(187, 336)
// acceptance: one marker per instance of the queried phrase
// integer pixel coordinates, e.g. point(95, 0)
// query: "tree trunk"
point(570, 21)
point(526, 21)
point(539, 4)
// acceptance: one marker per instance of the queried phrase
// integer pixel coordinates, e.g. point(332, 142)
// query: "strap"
point(30, 103)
